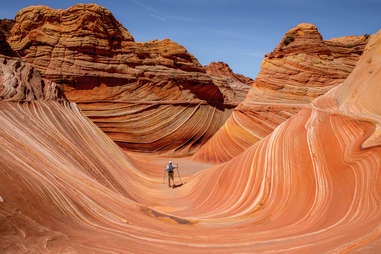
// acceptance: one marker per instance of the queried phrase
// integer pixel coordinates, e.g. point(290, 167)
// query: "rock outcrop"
point(20, 82)
point(222, 69)
point(147, 96)
point(302, 67)
point(239, 83)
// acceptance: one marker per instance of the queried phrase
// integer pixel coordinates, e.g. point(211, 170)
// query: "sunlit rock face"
point(302, 67)
point(313, 185)
point(147, 96)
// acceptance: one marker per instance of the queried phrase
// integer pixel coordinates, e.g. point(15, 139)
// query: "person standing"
point(170, 170)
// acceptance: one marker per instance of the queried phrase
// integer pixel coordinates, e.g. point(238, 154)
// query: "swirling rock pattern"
point(308, 187)
point(139, 93)
point(302, 67)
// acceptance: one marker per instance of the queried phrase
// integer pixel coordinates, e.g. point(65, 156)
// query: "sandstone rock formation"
point(147, 96)
point(222, 69)
point(238, 82)
point(310, 186)
point(302, 67)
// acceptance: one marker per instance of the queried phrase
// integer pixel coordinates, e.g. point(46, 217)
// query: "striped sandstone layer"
point(147, 96)
point(302, 67)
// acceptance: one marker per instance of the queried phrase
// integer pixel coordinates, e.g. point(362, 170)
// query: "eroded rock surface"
point(21, 82)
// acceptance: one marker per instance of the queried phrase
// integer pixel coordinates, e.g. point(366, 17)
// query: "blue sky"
point(238, 32)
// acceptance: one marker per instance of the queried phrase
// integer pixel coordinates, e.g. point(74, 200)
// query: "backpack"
point(170, 168)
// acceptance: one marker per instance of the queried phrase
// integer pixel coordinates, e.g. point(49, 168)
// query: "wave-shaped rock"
point(139, 93)
point(310, 186)
point(302, 67)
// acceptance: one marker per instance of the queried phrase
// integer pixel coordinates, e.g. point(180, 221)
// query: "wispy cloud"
point(181, 18)
point(153, 12)
point(161, 18)
point(146, 6)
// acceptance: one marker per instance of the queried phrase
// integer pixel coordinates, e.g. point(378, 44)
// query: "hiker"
point(170, 169)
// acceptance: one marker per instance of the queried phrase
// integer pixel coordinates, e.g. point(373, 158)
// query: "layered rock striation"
point(302, 67)
point(147, 96)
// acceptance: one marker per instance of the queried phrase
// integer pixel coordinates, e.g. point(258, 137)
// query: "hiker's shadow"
point(177, 185)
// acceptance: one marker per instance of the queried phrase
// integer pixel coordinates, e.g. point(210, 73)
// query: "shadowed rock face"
point(5, 28)
point(146, 96)
point(302, 67)
point(310, 186)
